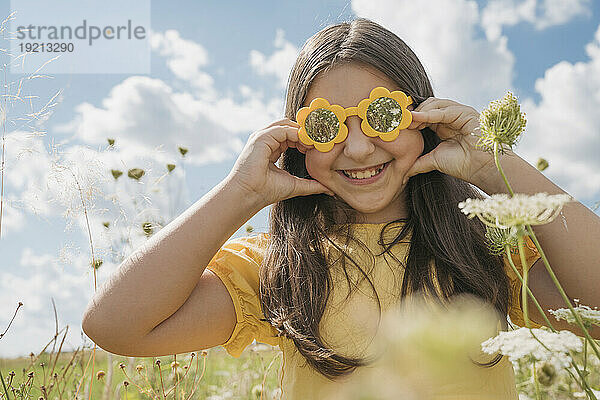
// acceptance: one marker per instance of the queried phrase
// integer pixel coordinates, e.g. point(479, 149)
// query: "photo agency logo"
point(107, 36)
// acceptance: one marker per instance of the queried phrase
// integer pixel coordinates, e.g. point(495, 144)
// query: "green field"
point(215, 375)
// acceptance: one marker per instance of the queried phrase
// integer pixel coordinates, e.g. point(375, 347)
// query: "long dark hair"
point(295, 281)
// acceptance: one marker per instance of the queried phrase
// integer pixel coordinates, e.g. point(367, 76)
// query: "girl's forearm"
point(157, 278)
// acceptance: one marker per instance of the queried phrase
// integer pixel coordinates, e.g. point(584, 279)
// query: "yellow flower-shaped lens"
point(383, 114)
point(322, 124)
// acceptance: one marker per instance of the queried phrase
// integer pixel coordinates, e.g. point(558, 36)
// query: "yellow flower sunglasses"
point(383, 114)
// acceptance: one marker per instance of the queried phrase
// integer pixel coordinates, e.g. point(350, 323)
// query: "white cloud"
point(279, 63)
point(26, 170)
point(37, 279)
point(12, 218)
point(442, 33)
point(143, 113)
point(149, 121)
point(563, 127)
point(499, 13)
point(184, 58)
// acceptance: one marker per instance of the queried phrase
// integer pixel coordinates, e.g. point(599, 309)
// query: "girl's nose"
point(357, 145)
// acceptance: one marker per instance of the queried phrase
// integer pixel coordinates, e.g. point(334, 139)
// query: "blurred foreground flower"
point(423, 349)
point(520, 344)
point(503, 211)
point(501, 123)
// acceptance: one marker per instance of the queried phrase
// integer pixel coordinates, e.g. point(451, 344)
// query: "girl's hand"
point(255, 170)
point(456, 155)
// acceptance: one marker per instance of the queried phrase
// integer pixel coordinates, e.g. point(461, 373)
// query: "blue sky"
point(218, 72)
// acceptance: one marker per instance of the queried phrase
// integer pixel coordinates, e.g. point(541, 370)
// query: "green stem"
point(548, 268)
point(585, 355)
point(524, 282)
point(537, 305)
point(583, 384)
point(563, 294)
point(536, 383)
point(497, 161)
point(4, 386)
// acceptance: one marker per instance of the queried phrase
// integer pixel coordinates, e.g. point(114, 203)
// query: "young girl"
point(356, 227)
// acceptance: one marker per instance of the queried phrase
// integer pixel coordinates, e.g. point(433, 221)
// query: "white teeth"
point(363, 174)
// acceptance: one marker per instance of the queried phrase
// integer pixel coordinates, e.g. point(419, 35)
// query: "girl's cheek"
point(318, 164)
point(312, 164)
point(415, 144)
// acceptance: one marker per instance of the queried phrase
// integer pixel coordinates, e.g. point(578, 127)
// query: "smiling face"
point(379, 198)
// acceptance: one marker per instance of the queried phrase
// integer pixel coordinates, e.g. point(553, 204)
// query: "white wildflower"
point(519, 344)
point(503, 211)
point(588, 315)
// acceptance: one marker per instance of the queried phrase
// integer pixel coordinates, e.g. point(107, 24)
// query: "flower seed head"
point(116, 173)
point(546, 374)
point(542, 164)
point(157, 363)
point(121, 365)
point(502, 123)
point(498, 239)
point(136, 173)
point(139, 367)
point(100, 374)
point(204, 353)
point(125, 383)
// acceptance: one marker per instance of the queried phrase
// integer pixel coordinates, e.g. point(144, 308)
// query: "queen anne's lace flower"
point(519, 344)
point(503, 211)
point(502, 122)
point(588, 315)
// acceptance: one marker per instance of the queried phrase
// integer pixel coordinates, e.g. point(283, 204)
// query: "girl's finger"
point(454, 119)
point(434, 102)
point(283, 134)
point(446, 115)
point(283, 121)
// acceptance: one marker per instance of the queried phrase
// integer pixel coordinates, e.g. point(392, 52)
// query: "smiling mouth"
point(364, 173)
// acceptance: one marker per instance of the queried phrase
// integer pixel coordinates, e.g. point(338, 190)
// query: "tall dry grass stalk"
point(31, 119)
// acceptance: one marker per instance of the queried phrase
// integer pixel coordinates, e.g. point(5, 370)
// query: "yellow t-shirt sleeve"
point(237, 265)
point(515, 309)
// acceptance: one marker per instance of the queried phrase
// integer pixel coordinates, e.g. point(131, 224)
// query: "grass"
point(213, 374)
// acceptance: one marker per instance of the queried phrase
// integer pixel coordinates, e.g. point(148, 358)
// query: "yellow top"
point(237, 265)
